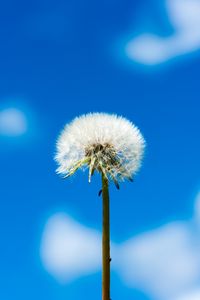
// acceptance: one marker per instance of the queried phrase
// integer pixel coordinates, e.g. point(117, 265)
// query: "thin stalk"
point(105, 241)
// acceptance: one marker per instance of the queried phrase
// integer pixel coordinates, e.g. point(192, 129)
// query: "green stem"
point(105, 241)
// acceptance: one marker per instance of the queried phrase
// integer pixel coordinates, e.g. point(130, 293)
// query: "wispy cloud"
point(13, 122)
point(152, 49)
point(163, 263)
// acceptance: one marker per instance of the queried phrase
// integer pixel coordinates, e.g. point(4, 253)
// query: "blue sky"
point(62, 59)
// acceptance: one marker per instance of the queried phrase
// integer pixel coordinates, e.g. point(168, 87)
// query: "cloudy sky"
point(60, 59)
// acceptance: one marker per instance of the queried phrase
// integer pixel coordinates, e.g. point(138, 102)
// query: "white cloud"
point(151, 49)
point(68, 249)
point(163, 263)
point(192, 295)
point(13, 122)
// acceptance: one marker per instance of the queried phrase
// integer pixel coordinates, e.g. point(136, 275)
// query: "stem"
point(105, 241)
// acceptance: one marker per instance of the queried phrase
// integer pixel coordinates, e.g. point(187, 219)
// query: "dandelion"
point(106, 144)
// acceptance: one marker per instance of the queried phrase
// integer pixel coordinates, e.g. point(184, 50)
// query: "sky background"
point(138, 59)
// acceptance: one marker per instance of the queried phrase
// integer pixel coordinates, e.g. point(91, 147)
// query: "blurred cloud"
point(151, 49)
point(164, 263)
point(69, 249)
point(13, 122)
point(193, 295)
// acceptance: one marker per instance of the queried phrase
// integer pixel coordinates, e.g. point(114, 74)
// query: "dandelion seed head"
point(106, 143)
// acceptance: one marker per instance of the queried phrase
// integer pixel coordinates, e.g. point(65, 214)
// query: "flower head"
point(105, 143)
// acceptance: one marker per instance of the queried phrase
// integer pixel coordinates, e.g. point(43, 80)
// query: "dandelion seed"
point(109, 145)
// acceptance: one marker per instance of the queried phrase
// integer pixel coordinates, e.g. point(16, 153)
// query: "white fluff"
point(121, 142)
